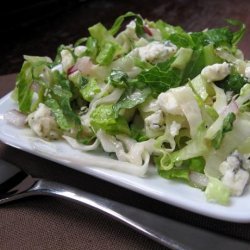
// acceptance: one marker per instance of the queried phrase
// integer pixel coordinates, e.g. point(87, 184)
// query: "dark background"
point(39, 27)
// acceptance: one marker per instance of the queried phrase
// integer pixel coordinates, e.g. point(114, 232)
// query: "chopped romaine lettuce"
point(131, 98)
point(89, 91)
point(227, 126)
point(160, 77)
point(234, 82)
point(103, 117)
point(183, 169)
point(217, 192)
point(118, 79)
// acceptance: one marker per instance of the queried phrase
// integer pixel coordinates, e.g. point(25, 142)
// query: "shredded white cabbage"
point(127, 149)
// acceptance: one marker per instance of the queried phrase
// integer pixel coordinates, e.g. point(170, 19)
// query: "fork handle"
point(170, 233)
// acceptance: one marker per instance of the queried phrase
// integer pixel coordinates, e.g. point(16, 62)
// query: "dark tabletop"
point(39, 27)
point(50, 223)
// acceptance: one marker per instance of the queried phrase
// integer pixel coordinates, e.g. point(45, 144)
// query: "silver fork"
point(16, 184)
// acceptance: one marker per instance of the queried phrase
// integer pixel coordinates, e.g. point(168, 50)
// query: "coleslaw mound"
point(149, 91)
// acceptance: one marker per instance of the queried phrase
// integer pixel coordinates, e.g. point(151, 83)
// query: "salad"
point(147, 91)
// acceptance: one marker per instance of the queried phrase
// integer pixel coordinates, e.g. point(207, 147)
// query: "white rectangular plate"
point(168, 191)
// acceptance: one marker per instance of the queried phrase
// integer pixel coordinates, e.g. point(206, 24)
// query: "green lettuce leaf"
point(183, 57)
point(237, 35)
point(220, 37)
point(139, 27)
point(23, 85)
point(181, 40)
point(119, 21)
point(201, 57)
point(217, 192)
point(106, 55)
point(165, 75)
point(92, 48)
point(31, 74)
point(167, 30)
point(80, 41)
point(59, 99)
point(58, 113)
point(144, 65)
point(60, 85)
point(102, 45)
point(160, 77)
point(103, 117)
point(182, 171)
point(131, 98)
point(85, 136)
point(226, 127)
point(89, 91)
point(118, 79)
point(72, 118)
point(234, 82)
point(37, 59)
point(65, 116)
point(100, 34)
point(138, 133)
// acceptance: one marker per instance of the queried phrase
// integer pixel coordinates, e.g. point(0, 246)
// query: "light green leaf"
point(103, 117)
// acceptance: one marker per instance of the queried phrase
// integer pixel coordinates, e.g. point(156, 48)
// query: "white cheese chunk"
point(43, 123)
point(234, 177)
point(216, 72)
point(156, 52)
point(168, 103)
